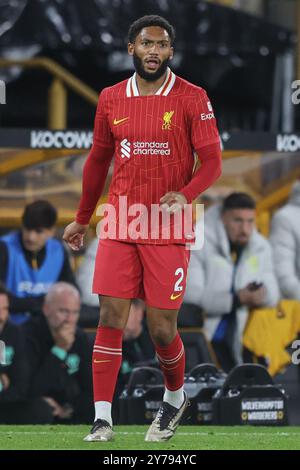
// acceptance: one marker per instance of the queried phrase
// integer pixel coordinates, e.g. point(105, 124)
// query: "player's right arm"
point(94, 175)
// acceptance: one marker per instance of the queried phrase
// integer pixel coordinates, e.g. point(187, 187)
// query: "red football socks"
point(107, 359)
point(172, 363)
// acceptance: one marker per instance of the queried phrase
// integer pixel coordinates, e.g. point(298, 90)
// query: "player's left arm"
point(206, 142)
point(209, 171)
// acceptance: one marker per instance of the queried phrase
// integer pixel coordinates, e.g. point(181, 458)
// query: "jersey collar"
point(132, 89)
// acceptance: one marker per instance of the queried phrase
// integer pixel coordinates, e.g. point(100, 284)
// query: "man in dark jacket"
point(59, 357)
point(31, 260)
point(15, 406)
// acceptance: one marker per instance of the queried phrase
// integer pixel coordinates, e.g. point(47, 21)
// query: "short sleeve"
point(102, 133)
point(204, 129)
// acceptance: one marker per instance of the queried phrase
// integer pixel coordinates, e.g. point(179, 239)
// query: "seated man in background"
point(89, 314)
point(285, 241)
point(31, 260)
point(232, 274)
point(15, 407)
point(59, 357)
point(13, 374)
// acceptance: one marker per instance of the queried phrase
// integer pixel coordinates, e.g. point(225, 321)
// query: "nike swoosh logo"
point(97, 362)
point(118, 121)
point(174, 297)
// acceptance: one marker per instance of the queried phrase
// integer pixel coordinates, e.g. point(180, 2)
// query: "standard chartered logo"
point(144, 148)
point(151, 148)
point(125, 148)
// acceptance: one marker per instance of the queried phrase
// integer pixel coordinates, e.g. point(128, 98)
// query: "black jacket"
point(62, 380)
point(17, 366)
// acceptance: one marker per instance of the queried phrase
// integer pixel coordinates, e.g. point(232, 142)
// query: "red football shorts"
point(154, 273)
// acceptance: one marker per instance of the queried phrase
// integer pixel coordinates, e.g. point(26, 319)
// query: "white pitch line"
point(136, 433)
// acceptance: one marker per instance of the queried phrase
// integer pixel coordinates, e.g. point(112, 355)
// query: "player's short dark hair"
point(38, 215)
point(3, 290)
point(238, 201)
point(150, 20)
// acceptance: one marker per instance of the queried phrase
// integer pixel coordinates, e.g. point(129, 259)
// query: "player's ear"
point(171, 53)
point(130, 48)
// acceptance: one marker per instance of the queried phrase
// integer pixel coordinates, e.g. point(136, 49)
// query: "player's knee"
point(161, 336)
point(111, 317)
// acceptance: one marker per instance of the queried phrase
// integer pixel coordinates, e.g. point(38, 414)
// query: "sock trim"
point(109, 349)
point(99, 350)
point(171, 361)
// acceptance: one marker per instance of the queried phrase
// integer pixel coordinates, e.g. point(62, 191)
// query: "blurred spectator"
point(285, 240)
point(14, 409)
point(13, 379)
point(31, 260)
point(134, 325)
point(89, 314)
point(59, 357)
point(232, 274)
point(137, 345)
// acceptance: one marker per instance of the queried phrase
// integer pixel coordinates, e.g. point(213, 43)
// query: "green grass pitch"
point(132, 438)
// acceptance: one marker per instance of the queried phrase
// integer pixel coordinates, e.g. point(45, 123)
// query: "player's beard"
point(150, 77)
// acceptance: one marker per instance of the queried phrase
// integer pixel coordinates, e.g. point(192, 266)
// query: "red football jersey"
point(153, 139)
